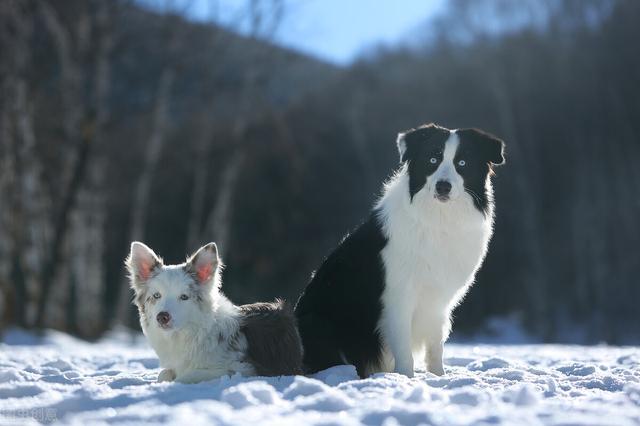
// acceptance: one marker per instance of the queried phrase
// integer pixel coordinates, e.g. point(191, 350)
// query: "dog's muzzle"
point(443, 189)
point(163, 318)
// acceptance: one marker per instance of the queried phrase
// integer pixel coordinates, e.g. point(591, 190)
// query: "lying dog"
point(197, 332)
point(388, 289)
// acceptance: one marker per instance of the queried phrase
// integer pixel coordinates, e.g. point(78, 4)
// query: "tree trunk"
point(142, 192)
point(82, 121)
point(199, 190)
point(62, 221)
point(535, 281)
point(220, 220)
point(87, 249)
point(29, 203)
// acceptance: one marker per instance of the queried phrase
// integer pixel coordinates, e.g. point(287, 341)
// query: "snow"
point(58, 378)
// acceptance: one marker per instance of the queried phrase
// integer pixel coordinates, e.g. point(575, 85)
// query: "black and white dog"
point(389, 288)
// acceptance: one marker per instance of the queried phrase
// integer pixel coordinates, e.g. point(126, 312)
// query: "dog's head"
point(173, 297)
point(445, 165)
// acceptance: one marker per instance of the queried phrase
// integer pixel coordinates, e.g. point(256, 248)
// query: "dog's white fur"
point(434, 250)
point(202, 341)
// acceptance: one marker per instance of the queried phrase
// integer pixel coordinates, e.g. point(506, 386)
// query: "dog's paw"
point(438, 370)
point(404, 366)
point(404, 371)
point(166, 375)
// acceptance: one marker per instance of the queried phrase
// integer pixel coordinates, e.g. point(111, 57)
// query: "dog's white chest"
point(431, 259)
point(447, 259)
point(199, 349)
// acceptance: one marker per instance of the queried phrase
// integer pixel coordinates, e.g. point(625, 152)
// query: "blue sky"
point(340, 29)
point(334, 30)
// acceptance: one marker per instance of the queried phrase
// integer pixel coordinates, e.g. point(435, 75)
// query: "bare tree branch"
point(83, 123)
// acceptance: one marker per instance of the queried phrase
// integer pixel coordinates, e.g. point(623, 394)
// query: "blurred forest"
point(122, 123)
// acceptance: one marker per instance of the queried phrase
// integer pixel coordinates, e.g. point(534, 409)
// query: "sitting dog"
point(197, 332)
point(389, 288)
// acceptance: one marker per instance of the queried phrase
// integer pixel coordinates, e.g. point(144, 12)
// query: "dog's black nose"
point(163, 318)
point(443, 187)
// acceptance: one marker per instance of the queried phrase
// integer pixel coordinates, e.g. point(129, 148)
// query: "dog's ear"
point(495, 149)
point(492, 146)
point(411, 142)
point(204, 263)
point(402, 145)
point(141, 263)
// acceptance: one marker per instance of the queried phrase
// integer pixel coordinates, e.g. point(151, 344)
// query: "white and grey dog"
point(197, 332)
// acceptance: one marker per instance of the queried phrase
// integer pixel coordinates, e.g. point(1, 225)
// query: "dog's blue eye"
point(462, 163)
point(157, 295)
point(433, 160)
point(184, 297)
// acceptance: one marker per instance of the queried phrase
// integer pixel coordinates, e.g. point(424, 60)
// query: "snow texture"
point(56, 378)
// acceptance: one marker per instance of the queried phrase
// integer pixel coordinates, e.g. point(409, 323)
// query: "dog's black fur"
point(274, 347)
point(351, 276)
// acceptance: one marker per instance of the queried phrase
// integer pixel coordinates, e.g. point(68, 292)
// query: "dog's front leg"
point(437, 330)
point(398, 337)
point(166, 375)
point(199, 375)
point(433, 358)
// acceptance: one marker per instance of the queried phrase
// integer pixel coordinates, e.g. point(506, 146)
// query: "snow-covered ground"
point(58, 378)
